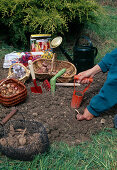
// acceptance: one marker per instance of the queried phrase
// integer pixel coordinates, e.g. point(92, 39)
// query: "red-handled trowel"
point(35, 89)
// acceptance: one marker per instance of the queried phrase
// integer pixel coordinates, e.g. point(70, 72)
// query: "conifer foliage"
point(24, 17)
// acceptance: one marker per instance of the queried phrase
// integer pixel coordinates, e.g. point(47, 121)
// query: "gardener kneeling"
point(107, 96)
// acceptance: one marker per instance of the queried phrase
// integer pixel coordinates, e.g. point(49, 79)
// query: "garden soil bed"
point(56, 114)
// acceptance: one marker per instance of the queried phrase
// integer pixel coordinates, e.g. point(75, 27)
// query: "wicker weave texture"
point(16, 98)
point(57, 66)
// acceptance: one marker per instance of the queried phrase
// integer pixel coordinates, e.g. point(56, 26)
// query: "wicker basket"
point(24, 78)
point(31, 149)
point(15, 98)
point(57, 66)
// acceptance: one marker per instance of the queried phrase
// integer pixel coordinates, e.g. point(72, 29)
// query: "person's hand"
point(88, 74)
point(86, 115)
point(83, 76)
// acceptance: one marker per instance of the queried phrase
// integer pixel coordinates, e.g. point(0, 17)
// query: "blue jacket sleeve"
point(107, 96)
point(107, 60)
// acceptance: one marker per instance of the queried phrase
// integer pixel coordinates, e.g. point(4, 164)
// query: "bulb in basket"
point(9, 89)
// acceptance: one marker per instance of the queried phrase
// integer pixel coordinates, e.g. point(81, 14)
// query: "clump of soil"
point(56, 114)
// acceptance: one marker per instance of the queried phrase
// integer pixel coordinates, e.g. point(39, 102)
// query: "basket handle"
point(52, 64)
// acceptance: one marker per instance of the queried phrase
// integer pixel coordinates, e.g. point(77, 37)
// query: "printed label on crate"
point(40, 42)
point(10, 58)
point(23, 57)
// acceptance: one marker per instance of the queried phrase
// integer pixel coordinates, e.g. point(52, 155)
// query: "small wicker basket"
point(24, 78)
point(57, 66)
point(14, 98)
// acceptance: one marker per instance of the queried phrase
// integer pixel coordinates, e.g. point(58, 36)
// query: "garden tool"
point(14, 110)
point(67, 84)
point(46, 85)
point(78, 95)
point(53, 80)
point(36, 89)
point(83, 55)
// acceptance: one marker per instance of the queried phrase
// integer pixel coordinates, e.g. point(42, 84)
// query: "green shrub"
point(24, 17)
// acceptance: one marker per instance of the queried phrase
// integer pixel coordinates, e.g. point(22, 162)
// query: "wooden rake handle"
point(30, 64)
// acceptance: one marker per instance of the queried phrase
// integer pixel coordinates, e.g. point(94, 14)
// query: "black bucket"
point(84, 55)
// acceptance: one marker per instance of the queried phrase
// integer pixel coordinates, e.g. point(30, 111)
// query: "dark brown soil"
point(56, 114)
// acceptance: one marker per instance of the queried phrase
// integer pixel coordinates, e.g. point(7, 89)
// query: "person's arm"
point(104, 66)
point(88, 73)
point(108, 60)
point(107, 96)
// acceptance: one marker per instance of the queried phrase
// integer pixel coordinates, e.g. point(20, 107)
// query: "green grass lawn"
point(99, 154)
point(106, 31)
